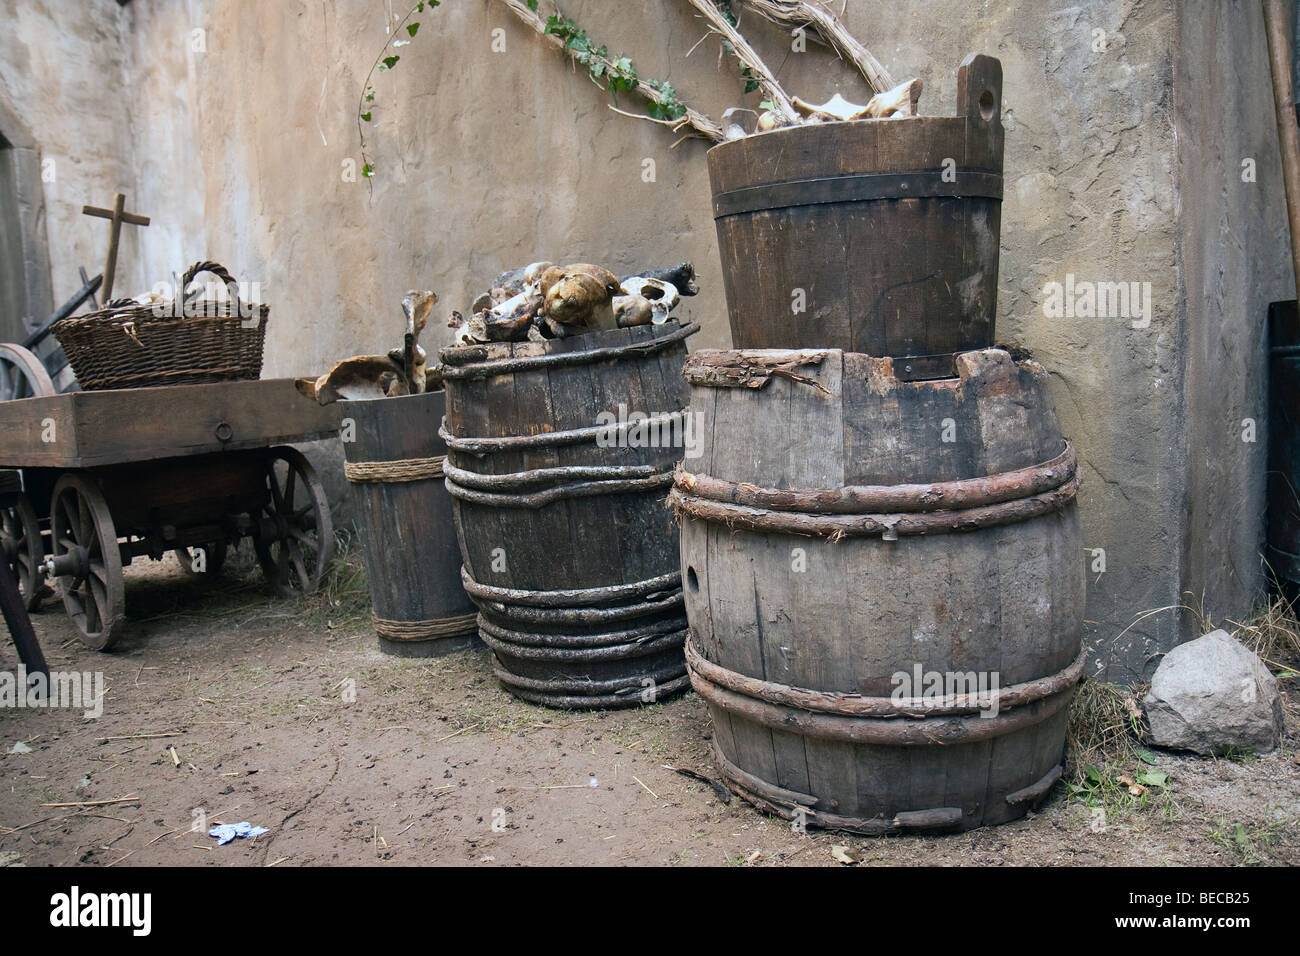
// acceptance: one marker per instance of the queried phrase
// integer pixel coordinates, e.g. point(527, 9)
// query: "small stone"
point(20, 748)
point(1213, 695)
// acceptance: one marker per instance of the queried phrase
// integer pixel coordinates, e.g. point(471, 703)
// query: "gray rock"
point(1212, 695)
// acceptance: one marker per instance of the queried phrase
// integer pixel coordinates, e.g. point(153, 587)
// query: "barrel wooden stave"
point(1005, 599)
point(408, 538)
point(930, 287)
point(575, 543)
point(628, 541)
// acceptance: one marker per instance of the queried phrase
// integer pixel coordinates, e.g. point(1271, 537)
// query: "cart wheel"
point(24, 550)
point(214, 559)
point(22, 374)
point(295, 556)
point(88, 562)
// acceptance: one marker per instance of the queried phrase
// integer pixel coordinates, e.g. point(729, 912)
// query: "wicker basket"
point(185, 342)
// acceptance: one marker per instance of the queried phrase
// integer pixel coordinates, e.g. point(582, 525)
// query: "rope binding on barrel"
point(399, 470)
point(424, 630)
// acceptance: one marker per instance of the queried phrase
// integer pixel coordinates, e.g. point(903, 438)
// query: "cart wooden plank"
point(87, 429)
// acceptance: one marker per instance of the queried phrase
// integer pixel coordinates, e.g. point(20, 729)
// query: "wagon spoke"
point(290, 488)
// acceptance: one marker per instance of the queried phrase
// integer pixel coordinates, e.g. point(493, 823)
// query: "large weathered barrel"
point(559, 494)
point(884, 585)
point(876, 236)
point(394, 460)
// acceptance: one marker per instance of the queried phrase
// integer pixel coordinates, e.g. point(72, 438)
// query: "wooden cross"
point(117, 217)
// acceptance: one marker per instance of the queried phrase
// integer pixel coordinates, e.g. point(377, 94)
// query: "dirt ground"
point(255, 691)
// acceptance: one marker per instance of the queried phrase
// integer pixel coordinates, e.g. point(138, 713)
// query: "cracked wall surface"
point(1119, 167)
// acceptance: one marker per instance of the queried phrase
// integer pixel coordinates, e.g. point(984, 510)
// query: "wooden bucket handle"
point(979, 89)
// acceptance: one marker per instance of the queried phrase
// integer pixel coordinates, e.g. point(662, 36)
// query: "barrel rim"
point(500, 358)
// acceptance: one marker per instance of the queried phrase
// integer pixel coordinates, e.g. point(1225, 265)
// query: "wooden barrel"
point(876, 236)
point(884, 583)
point(394, 460)
point(559, 492)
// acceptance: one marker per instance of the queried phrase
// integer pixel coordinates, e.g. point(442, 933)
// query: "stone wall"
point(1125, 126)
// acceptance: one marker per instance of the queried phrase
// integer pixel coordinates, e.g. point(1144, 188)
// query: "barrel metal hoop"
point(573, 436)
point(424, 630)
point(633, 684)
point(580, 489)
point(889, 499)
point(565, 655)
point(669, 603)
point(857, 705)
point(789, 803)
point(889, 527)
point(858, 187)
point(399, 470)
point(469, 362)
point(626, 697)
point(626, 637)
point(572, 597)
point(939, 731)
point(543, 476)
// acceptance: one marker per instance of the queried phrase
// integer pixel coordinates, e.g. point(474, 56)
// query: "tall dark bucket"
point(875, 236)
point(394, 460)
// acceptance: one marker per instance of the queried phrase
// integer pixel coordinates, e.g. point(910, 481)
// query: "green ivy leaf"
point(389, 63)
point(751, 86)
point(413, 28)
point(532, 5)
point(767, 105)
point(366, 116)
point(1148, 757)
point(367, 170)
point(1153, 778)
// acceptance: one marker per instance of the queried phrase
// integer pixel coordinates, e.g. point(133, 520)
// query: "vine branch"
point(828, 30)
point(748, 58)
point(596, 60)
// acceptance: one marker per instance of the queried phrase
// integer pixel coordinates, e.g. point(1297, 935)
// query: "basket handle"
point(216, 269)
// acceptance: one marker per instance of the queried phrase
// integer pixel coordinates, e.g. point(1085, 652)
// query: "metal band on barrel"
point(572, 436)
point(857, 705)
point(890, 499)
point(471, 362)
point(816, 522)
point(857, 187)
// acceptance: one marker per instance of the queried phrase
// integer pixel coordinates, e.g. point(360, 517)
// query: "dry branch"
point(746, 55)
point(827, 29)
point(702, 125)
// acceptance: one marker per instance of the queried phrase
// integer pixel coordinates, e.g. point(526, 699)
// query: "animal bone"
point(355, 378)
point(417, 304)
point(510, 321)
point(836, 108)
point(630, 310)
point(680, 276)
point(580, 297)
point(900, 101)
point(662, 297)
point(732, 128)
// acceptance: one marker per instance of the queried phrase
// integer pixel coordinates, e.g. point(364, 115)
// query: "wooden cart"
point(110, 476)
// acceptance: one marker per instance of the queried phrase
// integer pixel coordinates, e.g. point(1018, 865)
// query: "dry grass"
point(1273, 633)
point(1104, 727)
